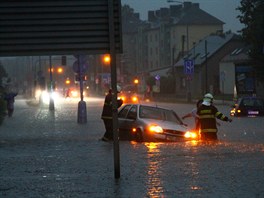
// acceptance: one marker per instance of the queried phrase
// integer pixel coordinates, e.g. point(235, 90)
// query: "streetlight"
point(106, 59)
point(136, 81)
point(59, 70)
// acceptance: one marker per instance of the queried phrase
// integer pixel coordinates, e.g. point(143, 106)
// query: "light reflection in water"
point(154, 183)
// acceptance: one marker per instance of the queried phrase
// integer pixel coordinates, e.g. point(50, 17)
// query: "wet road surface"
point(45, 154)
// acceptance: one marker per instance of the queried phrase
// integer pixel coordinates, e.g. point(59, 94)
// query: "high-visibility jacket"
point(207, 116)
point(107, 108)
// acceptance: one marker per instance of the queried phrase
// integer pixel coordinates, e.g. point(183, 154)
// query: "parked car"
point(151, 123)
point(248, 106)
point(74, 93)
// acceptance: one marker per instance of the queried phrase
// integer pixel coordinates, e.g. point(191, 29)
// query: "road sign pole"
point(51, 101)
point(189, 70)
point(114, 87)
point(82, 114)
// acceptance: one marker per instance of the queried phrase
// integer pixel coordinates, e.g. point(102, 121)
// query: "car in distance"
point(151, 124)
point(129, 94)
point(248, 106)
point(128, 97)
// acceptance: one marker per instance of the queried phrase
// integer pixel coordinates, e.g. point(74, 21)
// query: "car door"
point(127, 118)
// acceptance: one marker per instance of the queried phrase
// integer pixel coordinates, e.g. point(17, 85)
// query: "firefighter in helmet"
point(208, 113)
point(107, 116)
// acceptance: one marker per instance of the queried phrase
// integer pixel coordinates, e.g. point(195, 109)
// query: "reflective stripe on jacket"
point(207, 116)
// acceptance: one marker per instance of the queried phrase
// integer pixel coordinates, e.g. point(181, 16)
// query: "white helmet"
point(208, 99)
point(209, 96)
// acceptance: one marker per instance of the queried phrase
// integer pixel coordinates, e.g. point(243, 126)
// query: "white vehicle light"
point(190, 135)
point(156, 129)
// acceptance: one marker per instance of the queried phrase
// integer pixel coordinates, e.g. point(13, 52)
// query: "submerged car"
point(151, 123)
point(248, 106)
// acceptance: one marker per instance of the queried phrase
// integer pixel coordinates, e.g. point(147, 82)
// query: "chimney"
point(187, 5)
point(164, 12)
point(196, 5)
point(151, 16)
point(136, 15)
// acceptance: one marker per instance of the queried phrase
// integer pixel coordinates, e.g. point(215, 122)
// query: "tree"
point(2, 73)
point(2, 91)
point(253, 33)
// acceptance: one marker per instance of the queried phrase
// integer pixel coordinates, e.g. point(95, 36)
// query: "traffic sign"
point(80, 65)
point(188, 66)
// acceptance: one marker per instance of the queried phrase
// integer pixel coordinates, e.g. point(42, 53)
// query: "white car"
point(151, 123)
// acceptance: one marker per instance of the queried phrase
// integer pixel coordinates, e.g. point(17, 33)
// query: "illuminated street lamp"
point(136, 81)
point(59, 70)
point(106, 59)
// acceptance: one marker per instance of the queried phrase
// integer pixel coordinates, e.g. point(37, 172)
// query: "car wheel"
point(139, 136)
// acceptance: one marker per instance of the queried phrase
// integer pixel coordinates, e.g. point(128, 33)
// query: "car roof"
point(251, 97)
point(149, 105)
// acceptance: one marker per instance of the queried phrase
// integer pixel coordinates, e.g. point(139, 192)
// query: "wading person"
point(208, 113)
point(107, 116)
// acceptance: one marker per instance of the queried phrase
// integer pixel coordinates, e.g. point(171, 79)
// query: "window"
point(132, 114)
point(123, 112)
point(150, 113)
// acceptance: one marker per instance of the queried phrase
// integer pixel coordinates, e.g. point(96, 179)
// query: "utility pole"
point(173, 69)
point(206, 80)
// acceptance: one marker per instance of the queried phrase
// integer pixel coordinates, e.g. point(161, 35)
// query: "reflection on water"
point(192, 166)
point(154, 183)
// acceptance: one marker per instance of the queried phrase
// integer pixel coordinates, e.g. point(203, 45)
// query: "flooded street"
point(48, 154)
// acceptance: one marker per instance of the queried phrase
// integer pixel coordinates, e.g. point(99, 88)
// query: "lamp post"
point(173, 70)
point(51, 102)
point(206, 80)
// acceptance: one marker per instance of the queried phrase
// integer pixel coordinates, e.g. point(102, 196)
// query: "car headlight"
point(190, 135)
point(155, 128)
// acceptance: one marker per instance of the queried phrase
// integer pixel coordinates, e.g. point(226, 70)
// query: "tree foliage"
point(2, 73)
point(252, 16)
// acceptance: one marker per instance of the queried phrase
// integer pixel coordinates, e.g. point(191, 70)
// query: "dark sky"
point(225, 10)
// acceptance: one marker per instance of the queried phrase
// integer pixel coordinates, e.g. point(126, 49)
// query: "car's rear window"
point(253, 102)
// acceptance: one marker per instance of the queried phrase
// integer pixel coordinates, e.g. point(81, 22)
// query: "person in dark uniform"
point(107, 116)
point(208, 113)
point(10, 100)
